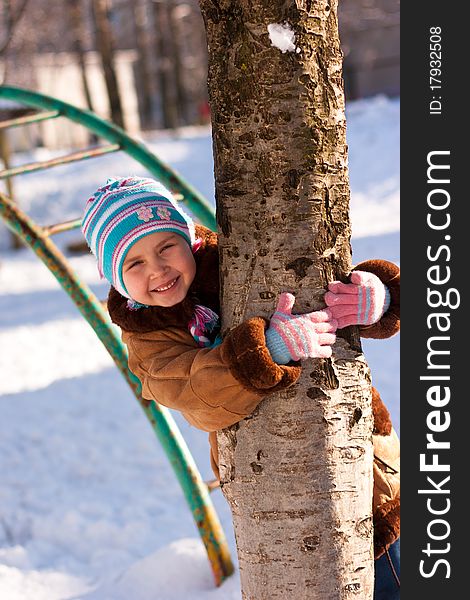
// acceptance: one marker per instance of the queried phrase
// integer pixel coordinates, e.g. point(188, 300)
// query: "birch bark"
point(298, 472)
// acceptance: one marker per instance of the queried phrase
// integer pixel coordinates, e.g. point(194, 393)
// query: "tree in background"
point(143, 69)
point(78, 32)
point(10, 15)
point(177, 66)
point(168, 105)
point(104, 44)
point(298, 472)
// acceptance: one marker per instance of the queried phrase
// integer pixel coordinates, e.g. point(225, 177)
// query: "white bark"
point(298, 472)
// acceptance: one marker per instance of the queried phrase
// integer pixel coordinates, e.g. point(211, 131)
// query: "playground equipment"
point(39, 240)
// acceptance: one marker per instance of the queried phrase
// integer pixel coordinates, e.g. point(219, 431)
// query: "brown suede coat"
point(217, 387)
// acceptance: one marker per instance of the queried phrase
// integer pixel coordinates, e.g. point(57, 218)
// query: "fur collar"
point(204, 290)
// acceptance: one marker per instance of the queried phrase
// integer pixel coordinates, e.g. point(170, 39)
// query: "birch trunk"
point(298, 472)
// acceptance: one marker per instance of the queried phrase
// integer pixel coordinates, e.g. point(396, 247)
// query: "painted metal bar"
point(195, 491)
point(213, 484)
point(196, 203)
point(60, 227)
point(60, 160)
point(35, 118)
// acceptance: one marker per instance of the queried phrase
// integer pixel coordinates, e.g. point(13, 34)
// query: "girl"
point(164, 274)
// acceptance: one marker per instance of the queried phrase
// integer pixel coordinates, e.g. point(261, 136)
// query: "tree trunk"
point(180, 90)
point(105, 48)
point(11, 16)
point(77, 26)
point(298, 472)
point(168, 104)
point(144, 90)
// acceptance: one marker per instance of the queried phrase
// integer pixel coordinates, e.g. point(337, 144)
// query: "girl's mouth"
point(166, 287)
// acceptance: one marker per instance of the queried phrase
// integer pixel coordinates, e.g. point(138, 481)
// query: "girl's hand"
point(361, 302)
point(294, 337)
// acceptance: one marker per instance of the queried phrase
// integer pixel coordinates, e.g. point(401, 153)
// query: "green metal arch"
point(198, 205)
point(195, 490)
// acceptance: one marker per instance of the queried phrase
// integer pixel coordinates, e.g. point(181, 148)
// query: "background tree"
point(177, 67)
point(144, 74)
point(164, 65)
point(78, 33)
point(10, 15)
point(298, 472)
point(104, 43)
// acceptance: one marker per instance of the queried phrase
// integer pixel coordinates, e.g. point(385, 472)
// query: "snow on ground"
point(89, 506)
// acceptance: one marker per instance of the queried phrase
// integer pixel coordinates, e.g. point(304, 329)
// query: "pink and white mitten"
point(294, 337)
point(361, 302)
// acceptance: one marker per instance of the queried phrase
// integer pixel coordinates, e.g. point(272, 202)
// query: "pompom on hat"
point(122, 212)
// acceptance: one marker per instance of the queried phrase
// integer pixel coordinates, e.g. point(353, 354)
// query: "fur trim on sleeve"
point(386, 526)
point(382, 420)
point(250, 362)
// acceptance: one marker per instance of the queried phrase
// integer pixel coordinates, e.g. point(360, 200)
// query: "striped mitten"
point(361, 302)
point(294, 337)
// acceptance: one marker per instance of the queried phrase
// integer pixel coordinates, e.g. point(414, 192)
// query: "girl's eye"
point(166, 247)
point(134, 264)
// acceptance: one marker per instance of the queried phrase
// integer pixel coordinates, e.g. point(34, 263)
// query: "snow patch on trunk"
point(282, 36)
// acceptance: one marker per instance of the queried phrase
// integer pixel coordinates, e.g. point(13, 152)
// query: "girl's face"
point(158, 269)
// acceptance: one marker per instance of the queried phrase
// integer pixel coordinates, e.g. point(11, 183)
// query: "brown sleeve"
point(212, 387)
point(389, 275)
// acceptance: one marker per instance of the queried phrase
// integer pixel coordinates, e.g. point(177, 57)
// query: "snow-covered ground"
point(89, 506)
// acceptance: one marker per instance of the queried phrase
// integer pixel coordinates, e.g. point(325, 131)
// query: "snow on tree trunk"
point(298, 472)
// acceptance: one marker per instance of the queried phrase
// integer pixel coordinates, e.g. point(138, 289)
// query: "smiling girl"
point(159, 269)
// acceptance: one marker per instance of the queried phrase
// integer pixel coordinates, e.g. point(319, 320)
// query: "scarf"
point(203, 323)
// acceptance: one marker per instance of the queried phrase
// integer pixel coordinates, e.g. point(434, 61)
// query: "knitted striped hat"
point(122, 212)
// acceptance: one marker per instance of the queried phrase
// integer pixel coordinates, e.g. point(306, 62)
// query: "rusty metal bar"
point(195, 490)
point(213, 484)
point(5, 157)
point(34, 118)
point(61, 160)
point(60, 227)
